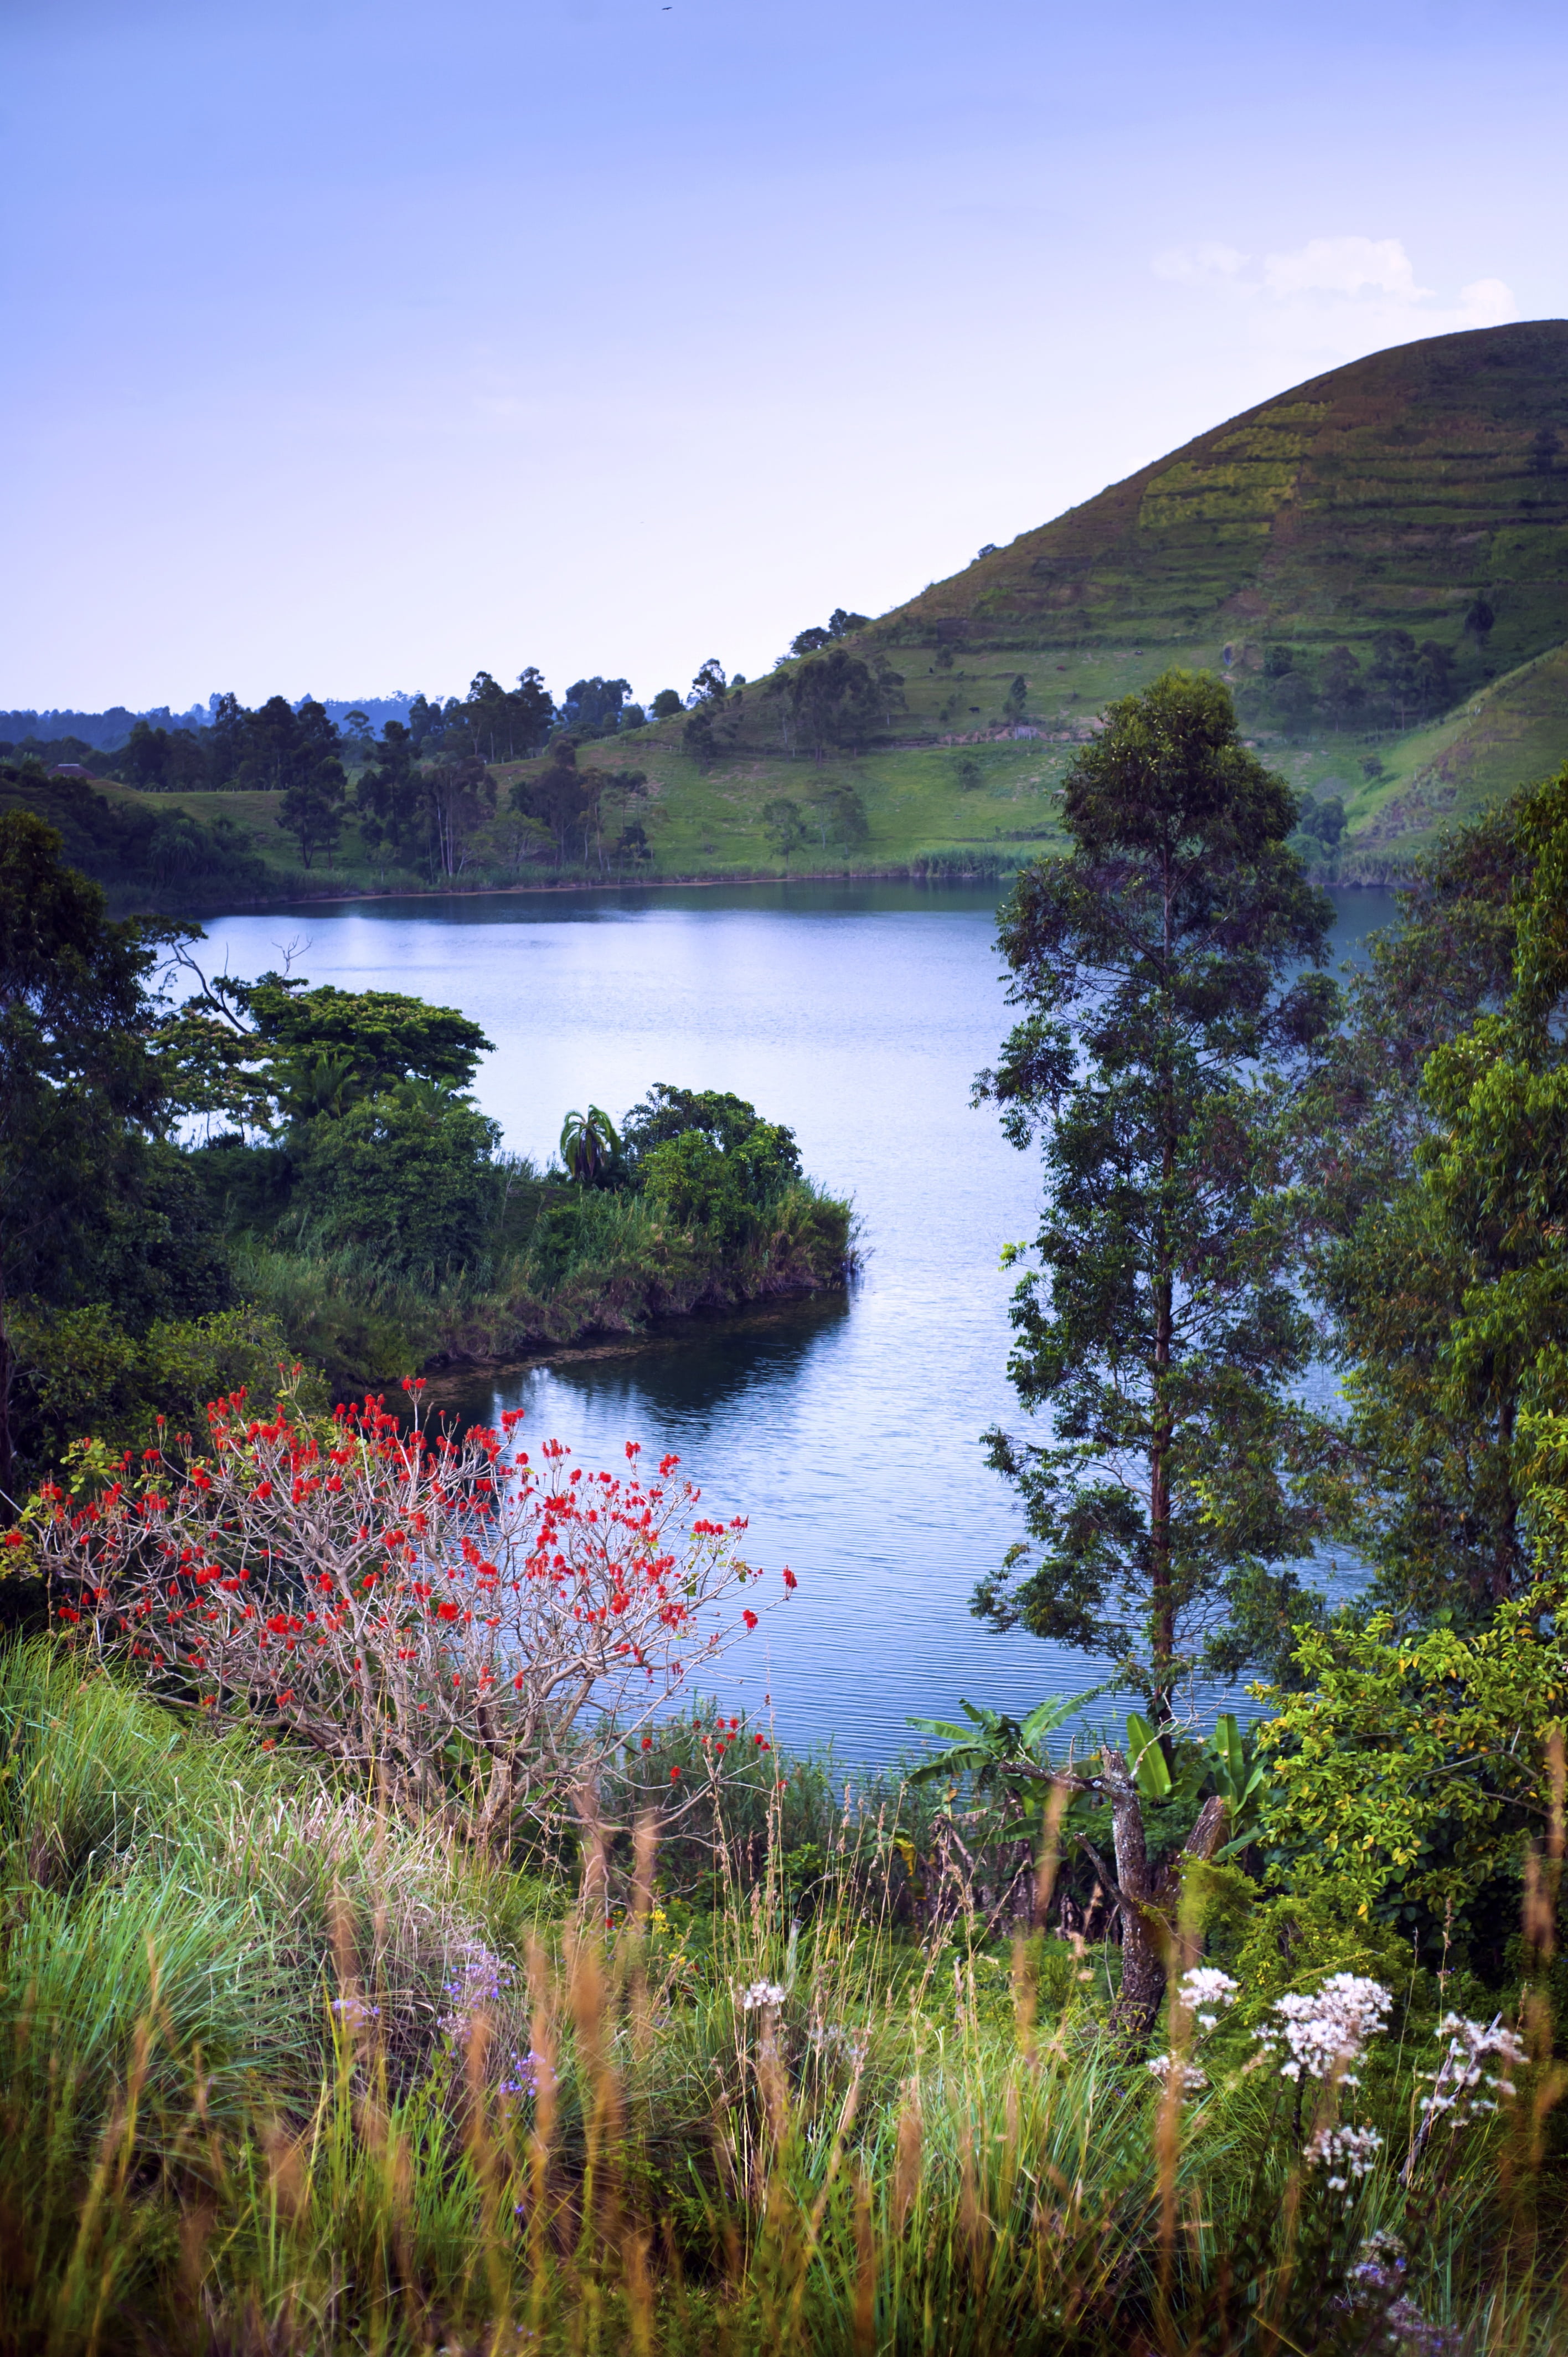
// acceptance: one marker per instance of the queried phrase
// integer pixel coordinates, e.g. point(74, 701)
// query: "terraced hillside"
point(1389, 494)
point(1376, 560)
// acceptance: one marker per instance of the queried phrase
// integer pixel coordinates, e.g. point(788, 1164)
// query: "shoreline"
point(447, 1378)
point(1390, 882)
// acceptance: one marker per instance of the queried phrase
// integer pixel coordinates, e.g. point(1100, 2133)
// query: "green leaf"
point(1154, 1778)
point(1046, 1717)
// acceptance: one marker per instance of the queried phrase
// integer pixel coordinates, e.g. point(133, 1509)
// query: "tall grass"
point(283, 2075)
point(615, 1268)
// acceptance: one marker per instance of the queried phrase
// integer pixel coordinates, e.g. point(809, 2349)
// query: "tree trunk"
point(1142, 1940)
point(1147, 1903)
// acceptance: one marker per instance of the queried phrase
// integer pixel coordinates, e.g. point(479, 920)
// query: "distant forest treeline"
point(223, 744)
point(140, 848)
point(423, 788)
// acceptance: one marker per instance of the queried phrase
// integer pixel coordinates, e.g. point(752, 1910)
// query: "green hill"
point(1391, 493)
point(1376, 560)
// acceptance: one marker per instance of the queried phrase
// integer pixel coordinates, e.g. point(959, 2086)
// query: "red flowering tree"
point(474, 1630)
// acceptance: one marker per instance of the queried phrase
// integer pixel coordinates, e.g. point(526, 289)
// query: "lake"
point(848, 1429)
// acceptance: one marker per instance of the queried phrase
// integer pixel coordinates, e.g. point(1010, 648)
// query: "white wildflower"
point(762, 1995)
point(1204, 1991)
point(1350, 2152)
point(1325, 2034)
point(1459, 2077)
point(1187, 2076)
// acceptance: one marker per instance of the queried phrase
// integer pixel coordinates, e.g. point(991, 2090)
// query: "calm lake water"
point(848, 1429)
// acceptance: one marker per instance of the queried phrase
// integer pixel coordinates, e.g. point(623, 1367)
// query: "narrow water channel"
point(848, 1429)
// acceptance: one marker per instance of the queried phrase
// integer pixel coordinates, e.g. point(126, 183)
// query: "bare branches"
point(474, 1632)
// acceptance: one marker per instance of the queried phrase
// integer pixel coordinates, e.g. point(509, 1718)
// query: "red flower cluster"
point(431, 1596)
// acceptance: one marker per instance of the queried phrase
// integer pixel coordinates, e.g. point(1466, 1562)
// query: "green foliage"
point(408, 1173)
point(996, 1752)
point(274, 1054)
point(295, 753)
point(130, 846)
point(1440, 1209)
point(562, 799)
point(82, 1370)
point(1159, 960)
point(1412, 1769)
point(1146, 1759)
point(381, 1036)
point(77, 1081)
point(839, 817)
point(831, 700)
point(1296, 1942)
point(1239, 1776)
point(589, 1145)
point(784, 826)
point(707, 1160)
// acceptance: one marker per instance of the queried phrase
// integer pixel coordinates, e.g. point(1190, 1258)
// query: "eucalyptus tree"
point(1166, 967)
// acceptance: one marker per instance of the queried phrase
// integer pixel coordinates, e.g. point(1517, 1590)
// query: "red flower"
point(790, 1578)
point(674, 1775)
point(750, 1619)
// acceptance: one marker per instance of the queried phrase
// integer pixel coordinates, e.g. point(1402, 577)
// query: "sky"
point(353, 346)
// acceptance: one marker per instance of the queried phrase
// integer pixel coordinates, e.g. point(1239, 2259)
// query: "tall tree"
point(270, 741)
point(456, 796)
point(226, 739)
point(314, 783)
point(559, 797)
point(532, 710)
point(1433, 1492)
point(75, 1066)
point(386, 796)
point(1159, 963)
point(834, 701)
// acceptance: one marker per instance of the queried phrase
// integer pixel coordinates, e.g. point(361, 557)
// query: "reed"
point(284, 2074)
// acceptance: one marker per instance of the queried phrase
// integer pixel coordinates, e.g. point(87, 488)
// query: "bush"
point(473, 1632)
point(81, 1371)
point(408, 1173)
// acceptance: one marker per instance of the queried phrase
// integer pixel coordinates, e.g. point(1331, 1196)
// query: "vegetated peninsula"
point(1376, 560)
point(345, 1204)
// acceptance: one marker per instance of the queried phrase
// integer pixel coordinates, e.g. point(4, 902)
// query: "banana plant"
point(999, 1751)
point(1240, 1780)
point(1237, 1775)
point(1146, 1758)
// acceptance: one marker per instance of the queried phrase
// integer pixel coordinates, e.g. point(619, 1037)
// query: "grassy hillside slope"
point(1423, 490)
point(1386, 493)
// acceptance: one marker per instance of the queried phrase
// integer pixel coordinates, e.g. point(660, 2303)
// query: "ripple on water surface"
point(848, 1428)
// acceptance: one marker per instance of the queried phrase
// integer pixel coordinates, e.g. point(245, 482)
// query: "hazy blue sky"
point(350, 347)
